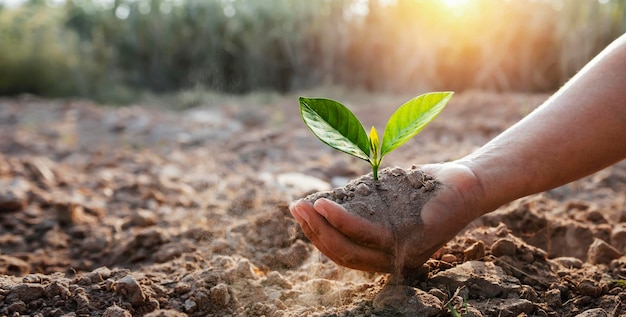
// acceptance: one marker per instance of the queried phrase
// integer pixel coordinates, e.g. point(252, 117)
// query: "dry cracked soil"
point(144, 211)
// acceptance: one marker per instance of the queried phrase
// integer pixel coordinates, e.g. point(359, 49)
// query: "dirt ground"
point(141, 211)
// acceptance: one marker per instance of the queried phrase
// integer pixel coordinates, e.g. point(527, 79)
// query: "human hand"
point(357, 243)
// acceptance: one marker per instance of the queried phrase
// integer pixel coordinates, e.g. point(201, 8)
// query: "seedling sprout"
point(336, 126)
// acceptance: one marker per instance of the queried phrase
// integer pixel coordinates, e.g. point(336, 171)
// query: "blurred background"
point(116, 50)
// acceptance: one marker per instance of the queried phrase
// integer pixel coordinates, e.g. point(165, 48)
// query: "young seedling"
point(339, 128)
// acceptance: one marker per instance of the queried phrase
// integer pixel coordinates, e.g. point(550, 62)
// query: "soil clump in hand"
point(395, 201)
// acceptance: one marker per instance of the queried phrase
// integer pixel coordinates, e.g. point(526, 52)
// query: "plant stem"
point(375, 171)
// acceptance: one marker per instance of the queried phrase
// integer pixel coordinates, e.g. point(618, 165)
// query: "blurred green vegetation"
point(113, 50)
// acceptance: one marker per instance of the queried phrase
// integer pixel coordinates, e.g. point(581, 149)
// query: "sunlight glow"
point(456, 7)
point(454, 4)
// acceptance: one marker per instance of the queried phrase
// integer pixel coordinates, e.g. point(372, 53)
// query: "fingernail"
point(321, 210)
point(302, 214)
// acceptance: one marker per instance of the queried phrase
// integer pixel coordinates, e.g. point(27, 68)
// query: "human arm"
point(579, 130)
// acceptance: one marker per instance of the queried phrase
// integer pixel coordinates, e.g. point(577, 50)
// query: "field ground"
point(142, 211)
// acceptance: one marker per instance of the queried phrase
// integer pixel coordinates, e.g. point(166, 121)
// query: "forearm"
point(578, 131)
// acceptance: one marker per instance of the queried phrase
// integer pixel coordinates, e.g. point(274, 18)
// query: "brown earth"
point(147, 212)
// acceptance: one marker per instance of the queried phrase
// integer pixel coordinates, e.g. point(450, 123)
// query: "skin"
point(580, 130)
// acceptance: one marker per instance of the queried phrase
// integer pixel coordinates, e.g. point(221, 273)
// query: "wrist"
point(461, 189)
point(483, 193)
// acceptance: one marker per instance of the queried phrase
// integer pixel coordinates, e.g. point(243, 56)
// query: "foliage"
point(112, 49)
point(164, 46)
point(339, 128)
point(34, 52)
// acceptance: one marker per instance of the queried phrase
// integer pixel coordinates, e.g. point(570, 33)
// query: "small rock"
point(129, 288)
point(26, 292)
point(429, 186)
point(601, 252)
point(416, 178)
point(485, 278)
point(57, 289)
point(407, 301)
point(397, 171)
point(569, 262)
point(363, 190)
point(116, 311)
point(339, 193)
point(594, 312)
point(98, 275)
point(588, 287)
point(502, 247)
point(449, 257)
point(220, 295)
point(475, 252)
point(34, 278)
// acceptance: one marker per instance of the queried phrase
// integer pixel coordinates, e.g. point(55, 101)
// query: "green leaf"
point(411, 118)
point(335, 125)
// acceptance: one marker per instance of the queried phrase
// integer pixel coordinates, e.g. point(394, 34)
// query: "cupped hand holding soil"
point(393, 224)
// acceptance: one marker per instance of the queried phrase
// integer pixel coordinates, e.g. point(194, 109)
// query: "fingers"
point(357, 228)
point(337, 246)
